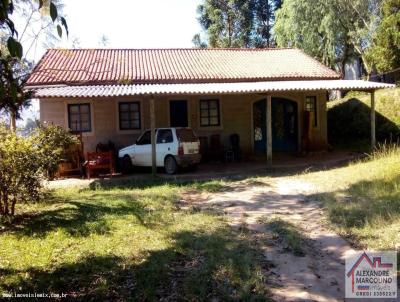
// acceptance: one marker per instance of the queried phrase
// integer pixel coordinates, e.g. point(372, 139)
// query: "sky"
point(133, 23)
point(125, 24)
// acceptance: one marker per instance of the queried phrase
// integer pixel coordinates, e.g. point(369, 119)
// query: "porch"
point(267, 116)
point(283, 165)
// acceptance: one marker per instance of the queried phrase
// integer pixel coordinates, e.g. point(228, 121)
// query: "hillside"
point(349, 118)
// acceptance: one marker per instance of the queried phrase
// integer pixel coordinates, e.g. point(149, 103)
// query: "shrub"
point(53, 142)
point(23, 161)
point(20, 169)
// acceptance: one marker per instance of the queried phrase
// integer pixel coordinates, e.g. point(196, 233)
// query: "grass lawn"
point(130, 242)
point(362, 200)
point(353, 111)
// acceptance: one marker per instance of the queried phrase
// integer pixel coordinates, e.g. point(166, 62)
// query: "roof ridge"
point(178, 48)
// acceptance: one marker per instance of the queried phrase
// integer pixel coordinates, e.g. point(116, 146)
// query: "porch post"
point(269, 131)
point(373, 133)
point(153, 136)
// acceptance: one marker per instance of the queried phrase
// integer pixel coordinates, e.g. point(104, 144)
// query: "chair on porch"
point(73, 163)
point(100, 161)
point(234, 153)
point(216, 149)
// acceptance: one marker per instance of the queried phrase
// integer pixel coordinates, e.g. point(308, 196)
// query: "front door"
point(178, 113)
point(284, 125)
point(260, 126)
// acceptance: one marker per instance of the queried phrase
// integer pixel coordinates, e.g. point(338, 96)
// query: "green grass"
point(127, 242)
point(362, 200)
point(289, 233)
point(349, 119)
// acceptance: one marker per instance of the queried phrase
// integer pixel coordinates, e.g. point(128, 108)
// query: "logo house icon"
point(371, 276)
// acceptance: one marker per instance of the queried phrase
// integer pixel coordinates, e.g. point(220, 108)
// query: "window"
point(311, 106)
point(129, 116)
point(79, 119)
point(164, 136)
point(145, 139)
point(209, 113)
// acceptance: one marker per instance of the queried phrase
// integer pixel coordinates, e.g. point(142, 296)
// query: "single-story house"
point(274, 99)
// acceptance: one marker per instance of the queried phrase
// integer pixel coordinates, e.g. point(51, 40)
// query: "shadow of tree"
point(197, 267)
point(85, 216)
point(351, 121)
point(363, 202)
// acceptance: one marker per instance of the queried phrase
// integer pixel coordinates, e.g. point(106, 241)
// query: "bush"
point(23, 162)
point(53, 143)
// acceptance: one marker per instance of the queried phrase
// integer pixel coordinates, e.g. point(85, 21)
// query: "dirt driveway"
point(316, 275)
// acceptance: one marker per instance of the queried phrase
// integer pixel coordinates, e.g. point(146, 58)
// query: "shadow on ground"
point(85, 215)
point(197, 267)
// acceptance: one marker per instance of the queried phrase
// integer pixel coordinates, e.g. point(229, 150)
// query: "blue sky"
point(127, 24)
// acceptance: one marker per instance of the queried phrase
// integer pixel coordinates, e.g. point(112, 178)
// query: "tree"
point(14, 66)
point(334, 31)
point(103, 41)
point(237, 23)
point(198, 42)
point(228, 22)
point(385, 50)
point(24, 161)
point(13, 95)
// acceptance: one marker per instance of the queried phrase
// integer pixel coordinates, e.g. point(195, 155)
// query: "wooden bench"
point(99, 161)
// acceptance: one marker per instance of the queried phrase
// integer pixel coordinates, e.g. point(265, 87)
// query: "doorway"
point(260, 126)
point(284, 125)
point(178, 113)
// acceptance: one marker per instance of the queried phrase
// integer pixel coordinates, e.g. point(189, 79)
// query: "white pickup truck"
point(175, 147)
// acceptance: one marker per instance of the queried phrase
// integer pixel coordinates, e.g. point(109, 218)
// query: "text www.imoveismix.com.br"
point(32, 295)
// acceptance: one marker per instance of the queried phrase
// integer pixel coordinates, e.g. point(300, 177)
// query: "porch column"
point(153, 137)
point(373, 133)
point(269, 131)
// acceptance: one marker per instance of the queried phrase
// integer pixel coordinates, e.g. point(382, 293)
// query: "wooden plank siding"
point(235, 111)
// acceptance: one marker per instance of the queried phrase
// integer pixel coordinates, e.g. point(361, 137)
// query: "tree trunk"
point(367, 66)
point(14, 201)
point(1, 203)
point(5, 199)
point(13, 120)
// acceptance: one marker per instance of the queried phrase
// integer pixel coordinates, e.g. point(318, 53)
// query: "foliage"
point(14, 67)
point(53, 142)
point(12, 94)
point(20, 167)
point(349, 119)
point(385, 51)
point(23, 161)
point(333, 31)
point(7, 9)
point(237, 23)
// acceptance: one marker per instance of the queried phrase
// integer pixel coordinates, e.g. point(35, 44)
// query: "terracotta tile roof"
point(163, 66)
point(205, 88)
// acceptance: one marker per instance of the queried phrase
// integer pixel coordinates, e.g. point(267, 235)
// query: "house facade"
point(274, 99)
